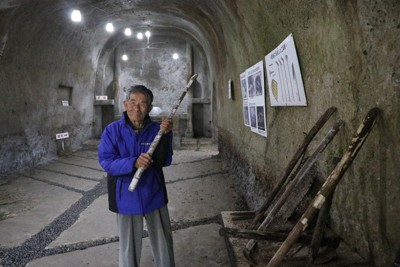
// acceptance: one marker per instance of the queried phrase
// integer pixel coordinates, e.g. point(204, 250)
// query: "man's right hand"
point(143, 161)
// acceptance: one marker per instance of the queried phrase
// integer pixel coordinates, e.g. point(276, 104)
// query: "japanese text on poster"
point(285, 83)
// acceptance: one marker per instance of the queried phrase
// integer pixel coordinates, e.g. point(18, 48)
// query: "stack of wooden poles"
point(292, 186)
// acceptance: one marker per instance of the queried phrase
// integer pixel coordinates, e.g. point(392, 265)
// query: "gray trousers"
point(130, 231)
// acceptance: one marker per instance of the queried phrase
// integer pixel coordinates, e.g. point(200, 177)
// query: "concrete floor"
point(57, 214)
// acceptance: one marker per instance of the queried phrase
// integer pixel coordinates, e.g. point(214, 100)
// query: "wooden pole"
point(260, 235)
point(319, 229)
point(289, 188)
point(307, 140)
point(242, 215)
point(328, 187)
point(331, 241)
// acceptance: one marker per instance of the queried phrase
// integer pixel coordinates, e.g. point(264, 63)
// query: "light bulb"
point(109, 27)
point(76, 16)
point(128, 32)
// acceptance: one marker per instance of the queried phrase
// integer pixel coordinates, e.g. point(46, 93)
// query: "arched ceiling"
point(193, 21)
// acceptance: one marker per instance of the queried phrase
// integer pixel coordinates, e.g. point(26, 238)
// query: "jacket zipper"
point(138, 152)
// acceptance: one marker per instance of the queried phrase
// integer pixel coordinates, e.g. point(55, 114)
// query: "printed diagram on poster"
point(243, 86)
point(256, 98)
point(285, 82)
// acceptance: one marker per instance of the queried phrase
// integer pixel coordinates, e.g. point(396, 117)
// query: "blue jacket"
point(119, 148)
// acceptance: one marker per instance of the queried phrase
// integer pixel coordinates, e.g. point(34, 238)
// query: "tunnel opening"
point(162, 63)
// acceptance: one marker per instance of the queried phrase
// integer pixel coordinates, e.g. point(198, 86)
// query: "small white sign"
point(62, 135)
point(101, 97)
point(65, 103)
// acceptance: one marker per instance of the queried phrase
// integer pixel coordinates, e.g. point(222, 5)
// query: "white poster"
point(256, 98)
point(243, 85)
point(285, 83)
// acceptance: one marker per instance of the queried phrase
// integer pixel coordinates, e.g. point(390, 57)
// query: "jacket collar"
point(147, 120)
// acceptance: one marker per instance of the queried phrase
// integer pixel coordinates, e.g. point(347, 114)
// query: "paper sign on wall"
point(285, 83)
point(62, 135)
point(243, 86)
point(256, 98)
point(101, 97)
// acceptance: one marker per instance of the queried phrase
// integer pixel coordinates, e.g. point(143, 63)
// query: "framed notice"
point(243, 86)
point(256, 98)
point(285, 83)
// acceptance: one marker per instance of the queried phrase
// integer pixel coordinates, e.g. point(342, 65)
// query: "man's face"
point(137, 107)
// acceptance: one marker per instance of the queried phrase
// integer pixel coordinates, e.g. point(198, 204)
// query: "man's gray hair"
point(141, 89)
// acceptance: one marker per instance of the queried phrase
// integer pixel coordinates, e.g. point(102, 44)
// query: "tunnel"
point(63, 79)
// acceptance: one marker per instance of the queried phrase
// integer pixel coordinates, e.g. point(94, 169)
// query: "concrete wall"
point(349, 53)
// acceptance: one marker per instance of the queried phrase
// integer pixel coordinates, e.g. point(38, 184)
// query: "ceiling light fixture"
point(175, 56)
point(139, 35)
point(109, 27)
point(124, 57)
point(76, 16)
point(148, 34)
point(128, 32)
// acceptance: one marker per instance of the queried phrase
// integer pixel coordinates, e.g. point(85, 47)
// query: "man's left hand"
point(166, 125)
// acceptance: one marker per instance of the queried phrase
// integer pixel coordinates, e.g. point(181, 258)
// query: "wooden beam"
point(328, 187)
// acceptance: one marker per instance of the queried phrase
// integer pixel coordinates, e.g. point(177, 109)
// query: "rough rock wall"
point(349, 57)
point(44, 62)
point(155, 68)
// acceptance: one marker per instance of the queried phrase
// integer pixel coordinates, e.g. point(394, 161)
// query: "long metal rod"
point(157, 139)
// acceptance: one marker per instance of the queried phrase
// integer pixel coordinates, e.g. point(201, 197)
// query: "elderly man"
point(122, 151)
